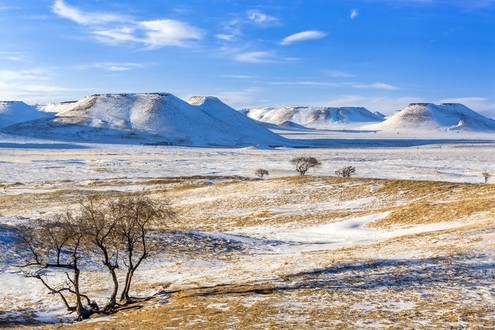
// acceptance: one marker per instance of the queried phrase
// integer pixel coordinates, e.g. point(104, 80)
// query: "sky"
point(380, 54)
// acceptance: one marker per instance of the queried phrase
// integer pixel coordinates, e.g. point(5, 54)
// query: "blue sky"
point(381, 54)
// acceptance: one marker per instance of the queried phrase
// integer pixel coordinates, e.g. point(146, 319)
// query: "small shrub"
point(486, 175)
point(346, 171)
point(260, 173)
point(303, 164)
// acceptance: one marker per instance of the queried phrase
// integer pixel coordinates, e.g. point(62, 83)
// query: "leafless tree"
point(303, 164)
point(100, 226)
point(261, 173)
point(57, 244)
point(486, 175)
point(346, 171)
point(137, 216)
point(114, 230)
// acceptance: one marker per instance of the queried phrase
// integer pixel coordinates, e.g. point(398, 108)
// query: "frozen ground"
point(283, 252)
point(445, 157)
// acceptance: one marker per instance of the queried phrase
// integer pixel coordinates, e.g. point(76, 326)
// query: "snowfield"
point(408, 243)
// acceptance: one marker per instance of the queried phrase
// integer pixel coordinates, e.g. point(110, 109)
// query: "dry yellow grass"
point(409, 281)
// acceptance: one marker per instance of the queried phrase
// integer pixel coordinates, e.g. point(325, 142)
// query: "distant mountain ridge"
point(13, 112)
point(444, 116)
point(150, 118)
point(315, 117)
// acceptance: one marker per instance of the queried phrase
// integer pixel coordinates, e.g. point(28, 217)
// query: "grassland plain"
point(295, 252)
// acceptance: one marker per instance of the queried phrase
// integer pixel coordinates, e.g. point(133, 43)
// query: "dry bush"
point(303, 164)
point(346, 171)
point(260, 173)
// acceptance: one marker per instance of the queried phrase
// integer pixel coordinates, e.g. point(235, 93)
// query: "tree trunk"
point(127, 286)
point(82, 312)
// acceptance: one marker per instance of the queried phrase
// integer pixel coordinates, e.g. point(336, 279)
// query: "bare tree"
point(137, 216)
point(100, 225)
point(486, 175)
point(54, 245)
point(261, 173)
point(303, 164)
point(113, 230)
point(346, 171)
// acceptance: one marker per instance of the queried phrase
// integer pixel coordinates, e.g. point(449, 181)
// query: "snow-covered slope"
point(232, 118)
point(315, 117)
point(12, 112)
point(56, 107)
point(150, 118)
point(445, 116)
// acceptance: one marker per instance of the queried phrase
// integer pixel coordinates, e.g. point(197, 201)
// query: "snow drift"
point(158, 118)
point(445, 116)
point(13, 112)
point(315, 117)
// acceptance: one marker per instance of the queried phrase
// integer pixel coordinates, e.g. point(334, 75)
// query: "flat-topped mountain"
point(315, 117)
point(150, 117)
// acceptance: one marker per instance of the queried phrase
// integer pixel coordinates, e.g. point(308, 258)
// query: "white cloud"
point(114, 29)
point(354, 14)
point(255, 57)
point(237, 76)
point(259, 18)
point(14, 56)
point(377, 85)
point(303, 36)
point(466, 4)
point(225, 36)
point(27, 85)
point(167, 32)
point(114, 66)
point(309, 83)
point(84, 18)
point(341, 74)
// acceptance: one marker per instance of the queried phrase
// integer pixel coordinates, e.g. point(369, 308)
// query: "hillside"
point(445, 116)
point(315, 117)
point(151, 118)
point(13, 112)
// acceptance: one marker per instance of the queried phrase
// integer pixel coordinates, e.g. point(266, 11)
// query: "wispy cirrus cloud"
point(341, 74)
point(261, 19)
point(114, 28)
point(356, 85)
point(465, 4)
point(14, 56)
point(60, 8)
point(33, 84)
point(256, 57)
point(303, 36)
point(114, 66)
point(376, 85)
point(232, 29)
point(237, 76)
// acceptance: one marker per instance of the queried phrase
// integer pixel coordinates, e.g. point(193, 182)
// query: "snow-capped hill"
point(13, 112)
point(445, 116)
point(231, 117)
point(55, 107)
point(315, 117)
point(151, 118)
